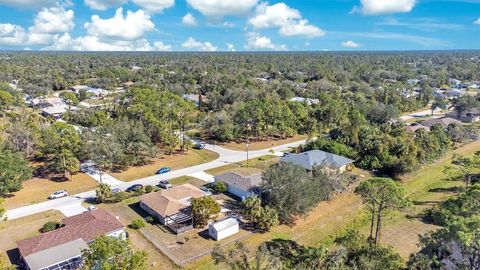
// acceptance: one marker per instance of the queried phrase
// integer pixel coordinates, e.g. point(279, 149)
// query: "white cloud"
point(189, 20)
point(11, 34)
point(104, 4)
point(379, 7)
point(29, 4)
point(193, 44)
point(477, 21)
point(162, 47)
point(255, 41)
point(155, 6)
point(221, 8)
point(289, 21)
point(231, 47)
point(131, 27)
point(350, 44)
point(53, 20)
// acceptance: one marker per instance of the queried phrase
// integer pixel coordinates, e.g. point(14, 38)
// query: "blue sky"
point(241, 25)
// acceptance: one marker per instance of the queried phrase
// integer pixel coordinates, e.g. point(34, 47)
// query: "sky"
point(239, 25)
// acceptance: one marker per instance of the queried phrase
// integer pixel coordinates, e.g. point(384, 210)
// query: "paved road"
point(427, 113)
point(71, 205)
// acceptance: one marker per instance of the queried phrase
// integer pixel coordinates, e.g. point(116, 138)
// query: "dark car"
point(134, 188)
point(165, 184)
point(163, 170)
point(199, 146)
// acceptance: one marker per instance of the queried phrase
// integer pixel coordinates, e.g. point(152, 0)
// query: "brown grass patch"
point(260, 145)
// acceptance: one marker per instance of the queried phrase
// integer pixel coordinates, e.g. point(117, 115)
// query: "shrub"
point(148, 189)
point(149, 219)
point(120, 196)
point(219, 187)
point(137, 224)
point(50, 226)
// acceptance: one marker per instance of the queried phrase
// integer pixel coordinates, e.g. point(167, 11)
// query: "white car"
point(58, 194)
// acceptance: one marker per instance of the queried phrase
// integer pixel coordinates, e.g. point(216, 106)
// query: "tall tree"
point(14, 169)
point(202, 209)
point(109, 253)
point(379, 195)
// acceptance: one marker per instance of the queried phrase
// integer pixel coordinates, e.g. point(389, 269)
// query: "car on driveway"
point(133, 188)
point(198, 146)
point(58, 194)
point(206, 190)
point(116, 190)
point(163, 170)
point(165, 184)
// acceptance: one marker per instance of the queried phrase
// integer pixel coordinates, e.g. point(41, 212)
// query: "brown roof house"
point(415, 126)
point(239, 185)
point(62, 248)
point(171, 207)
point(444, 122)
point(470, 116)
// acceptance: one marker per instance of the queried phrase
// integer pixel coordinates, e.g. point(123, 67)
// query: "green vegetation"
point(137, 224)
point(50, 226)
point(14, 169)
point(202, 209)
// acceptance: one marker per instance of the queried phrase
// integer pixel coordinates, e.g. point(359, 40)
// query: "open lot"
point(12, 231)
point(174, 161)
point(260, 145)
point(38, 189)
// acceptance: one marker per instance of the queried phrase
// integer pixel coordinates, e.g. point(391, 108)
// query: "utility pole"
point(246, 145)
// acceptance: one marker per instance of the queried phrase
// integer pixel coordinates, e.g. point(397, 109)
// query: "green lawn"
point(254, 165)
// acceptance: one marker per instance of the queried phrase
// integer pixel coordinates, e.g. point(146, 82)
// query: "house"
point(444, 122)
point(239, 185)
point(470, 116)
point(57, 111)
point(171, 207)
point(62, 248)
point(308, 160)
point(46, 102)
point(223, 229)
point(96, 92)
point(308, 101)
point(414, 127)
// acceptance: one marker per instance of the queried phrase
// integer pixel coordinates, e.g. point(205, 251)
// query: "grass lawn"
point(176, 161)
point(187, 179)
point(254, 165)
point(38, 189)
point(240, 146)
point(12, 231)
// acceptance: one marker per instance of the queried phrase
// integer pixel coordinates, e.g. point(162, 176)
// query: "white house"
point(223, 229)
point(239, 185)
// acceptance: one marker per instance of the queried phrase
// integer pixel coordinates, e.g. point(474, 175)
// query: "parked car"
point(58, 194)
point(165, 184)
point(116, 190)
point(134, 188)
point(206, 190)
point(91, 208)
point(163, 170)
point(199, 146)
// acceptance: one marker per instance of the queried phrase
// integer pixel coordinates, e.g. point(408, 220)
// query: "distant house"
point(239, 185)
point(62, 248)
point(469, 116)
point(197, 99)
point(57, 111)
point(223, 229)
point(308, 101)
point(415, 126)
point(171, 207)
point(444, 122)
point(96, 92)
point(312, 158)
point(46, 102)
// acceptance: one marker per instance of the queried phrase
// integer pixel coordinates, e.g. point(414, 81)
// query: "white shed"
point(223, 229)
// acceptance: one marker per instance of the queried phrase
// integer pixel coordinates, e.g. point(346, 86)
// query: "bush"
point(137, 224)
point(219, 187)
point(50, 226)
point(148, 189)
point(149, 219)
point(120, 196)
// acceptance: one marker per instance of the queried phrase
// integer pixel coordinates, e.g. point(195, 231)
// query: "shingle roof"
point(86, 226)
point(245, 183)
point(313, 158)
point(169, 201)
point(413, 128)
point(444, 122)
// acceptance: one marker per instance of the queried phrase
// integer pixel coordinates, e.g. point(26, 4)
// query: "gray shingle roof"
point(313, 158)
point(239, 181)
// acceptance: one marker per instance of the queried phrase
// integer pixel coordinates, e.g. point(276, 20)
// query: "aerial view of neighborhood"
point(239, 135)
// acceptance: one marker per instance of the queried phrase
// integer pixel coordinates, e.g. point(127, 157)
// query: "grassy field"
point(240, 146)
point(254, 165)
point(12, 231)
point(38, 189)
point(176, 161)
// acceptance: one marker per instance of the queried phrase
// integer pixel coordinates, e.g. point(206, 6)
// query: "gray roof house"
point(313, 158)
point(239, 185)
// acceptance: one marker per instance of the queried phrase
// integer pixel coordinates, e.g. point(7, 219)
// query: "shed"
point(223, 229)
